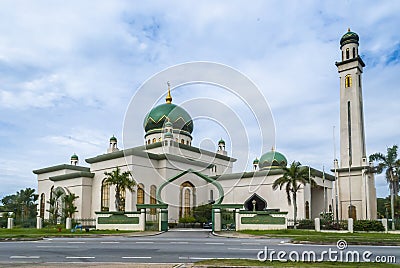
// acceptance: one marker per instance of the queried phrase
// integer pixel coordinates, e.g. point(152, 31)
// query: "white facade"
point(186, 176)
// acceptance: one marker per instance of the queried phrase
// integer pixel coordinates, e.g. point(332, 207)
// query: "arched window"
point(347, 53)
point(154, 140)
point(140, 194)
point(105, 196)
point(148, 142)
point(187, 203)
point(307, 210)
point(348, 81)
point(354, 52)
point(352, 212)
point(159, 139)
point(42, 204)
point(211, 196)
point(182, 141)
point(153, 199)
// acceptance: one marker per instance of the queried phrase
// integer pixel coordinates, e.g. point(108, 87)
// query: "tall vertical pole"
point(323, 184)
point(336, 178)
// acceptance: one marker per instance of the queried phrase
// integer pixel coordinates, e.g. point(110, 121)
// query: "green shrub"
point(368, 225)
point(305, 224)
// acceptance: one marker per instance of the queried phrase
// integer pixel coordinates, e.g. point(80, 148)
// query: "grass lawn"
point(322, 237)
point(241, 263)
point(51, 232)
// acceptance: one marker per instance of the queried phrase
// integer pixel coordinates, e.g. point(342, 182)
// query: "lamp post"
point(254, 204)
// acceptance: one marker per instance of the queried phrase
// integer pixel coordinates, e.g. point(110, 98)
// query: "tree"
point(70, 207)
point(389, 163)
point(23, 203)
point(293, 178)
point(121, 181)
point(56, 208)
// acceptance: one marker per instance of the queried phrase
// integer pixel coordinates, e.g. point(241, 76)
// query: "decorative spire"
point(348, 29)
point(168, 99)
point(273, 149)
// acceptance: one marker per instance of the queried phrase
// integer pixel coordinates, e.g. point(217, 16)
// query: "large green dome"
point(349, 37)
point(272, 159)
point(180, 119)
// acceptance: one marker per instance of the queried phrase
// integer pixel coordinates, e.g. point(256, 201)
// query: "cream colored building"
point(168, 169)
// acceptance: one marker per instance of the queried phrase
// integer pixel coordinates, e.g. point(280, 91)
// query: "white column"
point(350, 225)
point(237, 220)
point(10, 223)
point(39, 223)
point(317, 223)
point(385, 224)
point(68, 223)
point(217, 220)
point(142, 219)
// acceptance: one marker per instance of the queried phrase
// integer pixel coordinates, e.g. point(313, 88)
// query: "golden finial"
point(348, 29)
point(168, 99)
point(273, 149)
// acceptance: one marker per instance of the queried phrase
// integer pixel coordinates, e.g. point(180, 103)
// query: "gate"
point(156, 216)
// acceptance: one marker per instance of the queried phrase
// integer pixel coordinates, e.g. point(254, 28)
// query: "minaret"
point(168, 134)
point(352, 142)
point(255, 164)
point(356, 186)
point(113, 145)
point(74, 160)
point(221, 147)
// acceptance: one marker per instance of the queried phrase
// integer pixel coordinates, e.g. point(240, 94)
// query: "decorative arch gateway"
point(204, 177)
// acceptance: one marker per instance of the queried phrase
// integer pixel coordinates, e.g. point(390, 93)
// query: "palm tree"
point(70, 207)
point(293, 178)
point(56, 208)
point(121, 181)
point(389, 163)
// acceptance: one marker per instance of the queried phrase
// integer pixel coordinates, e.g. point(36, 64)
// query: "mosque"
point(168, 169)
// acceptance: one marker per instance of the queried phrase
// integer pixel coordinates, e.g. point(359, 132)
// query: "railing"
point(25, 223)
point(309, 224)
point(85, 223)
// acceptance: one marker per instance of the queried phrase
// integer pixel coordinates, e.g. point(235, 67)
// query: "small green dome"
point(180, 119)
point(74, 157)
point(113, 138)
point(256, 161)
point(168, 124)
point(168, 135)
point(221, 141)
point(272, 159)
point(349, 37)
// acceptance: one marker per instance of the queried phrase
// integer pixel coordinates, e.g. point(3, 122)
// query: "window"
point(307, 210)
point(153, 199)
point(148, 142)
point(182, 141)
point(154, 140)
point(347, 81)
point(211, 195)
point(347, 53)
point(140, 194)
point(42, 204)
point(187, 203)
point(105, 196)
point(354, 52)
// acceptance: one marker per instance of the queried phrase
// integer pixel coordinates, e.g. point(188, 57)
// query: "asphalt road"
point(176, 246)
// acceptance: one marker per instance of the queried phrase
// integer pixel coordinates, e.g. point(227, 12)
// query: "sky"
point(69, 70)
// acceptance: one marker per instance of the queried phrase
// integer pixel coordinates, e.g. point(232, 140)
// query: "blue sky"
point(69, 70)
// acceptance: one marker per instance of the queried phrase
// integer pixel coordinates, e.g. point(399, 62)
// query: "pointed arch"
point(140, 194)
point(153, 200)
point(105, 196)
point(255, 202)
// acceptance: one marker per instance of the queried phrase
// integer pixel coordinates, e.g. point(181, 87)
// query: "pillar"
point(39, 223)
point(217, 220)
point(350, 222)
point(317, 223)
point(10, 223)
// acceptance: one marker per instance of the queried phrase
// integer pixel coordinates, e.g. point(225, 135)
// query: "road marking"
point(250, 243)
point(214, 243)
point(111, 242)
point(75, 257)
point(55, 247)
point(144, 242)
point(76, 242)
point(254, 249)
point(136, 257)
point(24, 257)
point(179, 242)
point(194, 258)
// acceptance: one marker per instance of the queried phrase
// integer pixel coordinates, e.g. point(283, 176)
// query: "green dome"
point(74, 157)
point(349, 37)
point(256, 161)
point(168, 124)
point(221, 141)
point(113, 138)
point(272, 159)
point(180, 119)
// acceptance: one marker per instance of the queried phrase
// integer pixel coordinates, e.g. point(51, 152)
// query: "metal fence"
point(84, 223)
point(308, 224)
